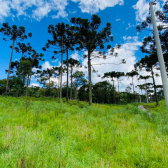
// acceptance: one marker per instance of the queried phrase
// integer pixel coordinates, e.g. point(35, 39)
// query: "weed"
point(72, 134)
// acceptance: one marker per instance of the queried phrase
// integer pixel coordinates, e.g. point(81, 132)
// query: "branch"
point(7, 40)
point(95, 71)
point(107, 63)
point(96, 57)
point(57, 56)
point(147, 29)
point(102, 57)
point(5, 35)
point(55, 48)
point(49, 51)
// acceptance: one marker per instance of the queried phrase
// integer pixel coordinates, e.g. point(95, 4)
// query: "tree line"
point(82, 35)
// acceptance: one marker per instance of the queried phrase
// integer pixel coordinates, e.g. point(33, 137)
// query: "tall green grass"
point(74, 135)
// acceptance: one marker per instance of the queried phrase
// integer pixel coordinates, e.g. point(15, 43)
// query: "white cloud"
point(93, 6)
point(143, 72)
point(43, 7)
point(55, 80)
point(130, 38)
point(42, 11)
point(142, 7)
point(35, 84)
point(75, 56)
point(46, 65)
point(4, 9)
point(118, 20)
point(62, 14)
point(73, 12)
point(127, 52)
point(129, 26)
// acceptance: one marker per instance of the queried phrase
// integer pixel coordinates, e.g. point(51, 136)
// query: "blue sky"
point(36, 15)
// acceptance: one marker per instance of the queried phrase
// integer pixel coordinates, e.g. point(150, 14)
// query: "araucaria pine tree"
point(132, 74)
point(73, 63)
point(59, 43)
point(89, 37)
point(14, 34)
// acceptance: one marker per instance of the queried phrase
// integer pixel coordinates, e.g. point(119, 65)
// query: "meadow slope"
point(40, 133)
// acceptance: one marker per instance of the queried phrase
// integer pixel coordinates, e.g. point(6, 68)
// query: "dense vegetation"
point(43, 133)
point(83, 35)
point(57, 125)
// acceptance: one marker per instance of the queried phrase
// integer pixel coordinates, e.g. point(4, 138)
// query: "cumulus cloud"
point(4, 9)
point(101, 66)
point(62, 14)
point(46, 65)
point(142, 9)
point(93, 6)
point(127, 51)
point(76, 56)
point(35, 85)
point(42, 11)
point(43, 7)
point(130, 38)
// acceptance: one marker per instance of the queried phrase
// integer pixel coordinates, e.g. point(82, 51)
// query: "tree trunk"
point(9, 69)
point(59, 85)
point(24, 77)
point(71, 85)
point(133, 85)
point(90, 83)
point(118, 84)
point(76, 93)
point(146, 92)
point(113, 92)
point(49, 85)
point(67, 76)
point(29, 77)
point(27, 86)
point(156, 98)
point(61, 72)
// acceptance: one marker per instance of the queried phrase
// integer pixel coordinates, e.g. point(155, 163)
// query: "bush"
point(77, 103)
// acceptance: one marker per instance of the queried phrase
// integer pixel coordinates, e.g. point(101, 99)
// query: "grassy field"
point(38, 133)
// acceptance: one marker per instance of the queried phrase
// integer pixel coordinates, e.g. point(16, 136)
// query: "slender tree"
point(145, 78)
point(79, 80)
point(141, 87)
point(23, 49)
point(111, 75)
point(118, 75)
point(89, 38)
point(132, 74)
point(46, 75)
point(58, 74)
point(59, 43)
point(33, 61)
point(69, 44)
point(150, 63)
point(72, 64)
point(14, 34)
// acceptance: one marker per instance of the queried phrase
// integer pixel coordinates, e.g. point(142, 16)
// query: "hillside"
point(46, 134)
